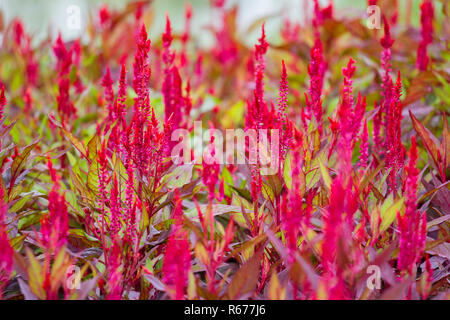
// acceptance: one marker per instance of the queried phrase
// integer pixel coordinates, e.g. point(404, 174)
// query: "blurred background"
point(44, 17)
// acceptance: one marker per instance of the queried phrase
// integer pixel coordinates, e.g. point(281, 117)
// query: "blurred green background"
point(42, 17)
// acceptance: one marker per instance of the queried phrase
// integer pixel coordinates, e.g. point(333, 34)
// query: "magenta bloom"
point(282, 123)
point(294, 216)
point(316, 71)
point(174, 102)
point(66, 108)
point(426, 18)
point(3, 102)
point(211, 169)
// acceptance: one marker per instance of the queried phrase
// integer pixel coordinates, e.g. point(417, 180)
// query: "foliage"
point(93, 207)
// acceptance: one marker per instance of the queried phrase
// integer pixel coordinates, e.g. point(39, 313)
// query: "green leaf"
point(389, 212)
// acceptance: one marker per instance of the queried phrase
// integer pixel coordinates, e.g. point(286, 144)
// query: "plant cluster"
point(93, 205)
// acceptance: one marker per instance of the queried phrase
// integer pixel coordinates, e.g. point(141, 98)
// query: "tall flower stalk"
point(177, 259)
point(412, 224)
point(426, 18)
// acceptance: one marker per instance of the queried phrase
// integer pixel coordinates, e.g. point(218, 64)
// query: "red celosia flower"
point(66, 108)
point(55, 223)
point(386, 43)
point(260, 65)
point(426, 18)
point(412, 224)
point(103, 179)
point(337, 232)
point(215, 248)
point(114, 269)
point(116, 208)
point(28, 100)
point(290, 30)
point(282, 124)
point(167, 38)
point(389, 115)
point(107, 84)
point(119, 108)
point(6, 251)
point(364, 148)
point(146, 136)
point(104, 15)
point(258, 117)
point(173, 97)
point(142, 70)
point(186, 35)
point(64, 56)
point(19, 31)
point(350, 118)
point(294, 217)
point(283, 92)
point(316, 71)
point(218, 3)
point(428, 279)
point(130, 212)
point(3, 102)
point(346, 114)
point(321, 14)
point(23, 42)
point(358, 115)
point(32, 67)
point(177, 259)
point(377, 124)
point(226, 50)
point(172, 84)
point(76, 48)
point(394, 146)
point(343, 203)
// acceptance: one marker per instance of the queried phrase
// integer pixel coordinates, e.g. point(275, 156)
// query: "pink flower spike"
point(364, 149)
point(6, 250)
point(386, 41)
point(426, 18)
